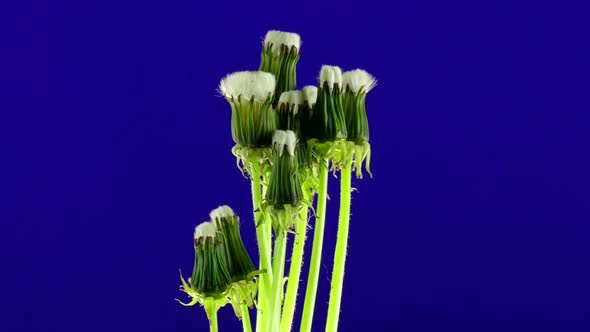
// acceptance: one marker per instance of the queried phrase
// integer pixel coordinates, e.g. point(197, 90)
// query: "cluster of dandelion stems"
point(287, 141)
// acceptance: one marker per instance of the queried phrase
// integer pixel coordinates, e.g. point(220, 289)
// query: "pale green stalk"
point(211, 310)
point(264, 288)
point(278, 267)
point(294, 272)
point(340, 253)
point(316, 253)
point(246, 324)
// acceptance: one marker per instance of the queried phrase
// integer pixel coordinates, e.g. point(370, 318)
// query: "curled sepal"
point(343, 154)
point(362, 153)
point(244, 156)
point(242, 293)
point(195, 297)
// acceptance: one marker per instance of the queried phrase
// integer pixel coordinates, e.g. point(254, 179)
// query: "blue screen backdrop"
point(117, 144)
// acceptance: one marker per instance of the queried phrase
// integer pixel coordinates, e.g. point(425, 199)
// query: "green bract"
point(284, 187)
point(280, 54)
point(240, 264)
point(327, 118)
point(252, 122)
point(210, 274)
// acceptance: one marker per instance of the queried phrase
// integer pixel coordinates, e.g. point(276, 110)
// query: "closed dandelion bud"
point(327, 119)
point(284, 187)
point(357, 83)
point(240, 266)
point(210, 274)
point(250, 95)
point(309, 93)
point(290, 109)
point(280, 53)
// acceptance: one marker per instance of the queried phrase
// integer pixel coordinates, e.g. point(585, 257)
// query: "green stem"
point(265, 278)
point(211, 310)
point(316, 253)
point(294, 272)
point(340, 253)
point(246, 324)
point(278, 267)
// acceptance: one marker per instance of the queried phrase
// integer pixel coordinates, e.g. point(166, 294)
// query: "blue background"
point(116, 145)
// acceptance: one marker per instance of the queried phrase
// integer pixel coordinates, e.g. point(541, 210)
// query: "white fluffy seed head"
point(223, 211)
point(332, 75)
point(204, 230)
point(359, 80)
point(292, 99)
point(278, 38)
point(309, 94)
point(286, 139)
point(248, 84)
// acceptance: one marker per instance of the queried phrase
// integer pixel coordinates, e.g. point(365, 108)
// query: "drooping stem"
point(211, 310)
point(316, 252)
point(278, 268)
point(264, 289)
point(294, 272)
point(340, 253)
point(246, 324)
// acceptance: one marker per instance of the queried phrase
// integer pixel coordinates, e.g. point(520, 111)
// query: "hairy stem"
point(294, 272)
point(246, 324)
point(316, 253)
point(211, 310)
point(340, 253)
point(278, 268)
point(264, 289)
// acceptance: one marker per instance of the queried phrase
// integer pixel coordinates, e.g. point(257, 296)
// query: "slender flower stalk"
point(327, 130)
point(250, 94)
point(316, 251)
point(357, 84)
point(246, 324)
point(263, 248)
point(308, 95)
point(211, 310)
point(283, 200)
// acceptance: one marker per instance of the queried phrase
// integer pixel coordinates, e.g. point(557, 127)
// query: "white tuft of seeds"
point(359, 80)
point(278, 38)
point(223, 211)
point(286, 139)
point(309, 94)
point(248, 84)
point(204, 230)
point(332, 75)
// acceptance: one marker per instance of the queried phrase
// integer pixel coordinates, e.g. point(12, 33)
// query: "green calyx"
point(240, 266)
point(357, 125)
point(284, 185)
point(282, 63)
point(327, 122)
point(291, 117)
point(210, 275)
point(252, 122)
